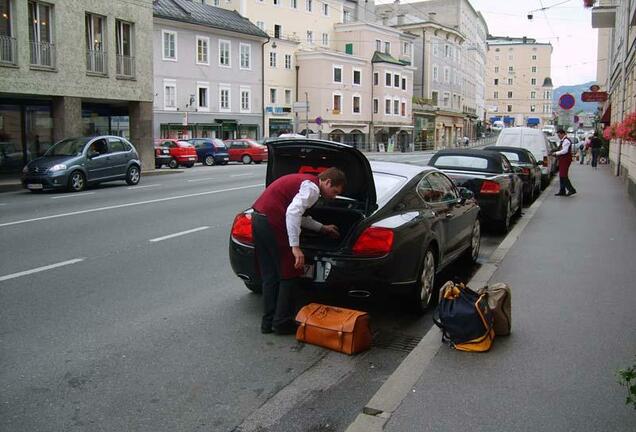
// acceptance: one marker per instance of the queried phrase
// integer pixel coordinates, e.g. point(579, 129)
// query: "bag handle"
point(438, 323)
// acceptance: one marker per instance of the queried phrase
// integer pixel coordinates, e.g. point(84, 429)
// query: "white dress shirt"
point(305, 198)
point(565, 147)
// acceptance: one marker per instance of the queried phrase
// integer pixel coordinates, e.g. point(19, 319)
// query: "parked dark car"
point(75, 162)
point(211, 151)
point(162, 156)
point(529, 171)
point(491, 178)
point(400, 224)
point(246, 151)
point(181, 152)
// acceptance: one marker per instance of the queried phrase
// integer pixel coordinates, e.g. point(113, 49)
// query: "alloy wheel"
point(77, 181)
point(247, 160)
point(209, 160)
point(475, 241)
point(173, 164)
point(133, 176)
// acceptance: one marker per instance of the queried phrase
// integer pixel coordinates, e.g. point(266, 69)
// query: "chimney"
point(431, 16)
point(525, 40)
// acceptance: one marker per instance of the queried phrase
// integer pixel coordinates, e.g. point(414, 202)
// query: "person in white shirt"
point(564, 153)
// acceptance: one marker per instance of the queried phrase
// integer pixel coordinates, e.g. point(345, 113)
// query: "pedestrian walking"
point(595, 145)
point(564, 153)
point(277, 221)
point(582, 148)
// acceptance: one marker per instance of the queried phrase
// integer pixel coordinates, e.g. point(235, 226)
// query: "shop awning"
point(606, 118)
point(533, 121)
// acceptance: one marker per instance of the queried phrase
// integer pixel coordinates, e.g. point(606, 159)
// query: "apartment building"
point(518, 83)
point(365, 97)
point(208, 72)
point(72, 68)
point(616, 72)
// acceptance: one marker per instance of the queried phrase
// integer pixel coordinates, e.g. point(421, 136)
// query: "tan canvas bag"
point(499, 300)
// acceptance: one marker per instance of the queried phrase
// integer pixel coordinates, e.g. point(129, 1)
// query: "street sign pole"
point(307, 116)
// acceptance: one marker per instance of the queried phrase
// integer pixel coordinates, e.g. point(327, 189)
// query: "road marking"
point(40, 269)
point(144, 186)
point(241, 175)
point(202, 179)
point(158, 239)
point(98, 209)
point(73, 195)
point(3, 204)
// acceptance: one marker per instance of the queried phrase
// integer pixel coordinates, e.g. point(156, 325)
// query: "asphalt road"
point(119, 311)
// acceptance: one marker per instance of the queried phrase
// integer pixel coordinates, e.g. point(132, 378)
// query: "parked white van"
point(535, 141)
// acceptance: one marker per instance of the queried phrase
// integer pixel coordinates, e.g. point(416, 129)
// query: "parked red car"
point(246, 150)
point(181, 152)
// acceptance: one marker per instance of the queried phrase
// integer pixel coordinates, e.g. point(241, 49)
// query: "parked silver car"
point(74, 163)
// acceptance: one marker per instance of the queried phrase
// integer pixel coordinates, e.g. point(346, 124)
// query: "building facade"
point(72, 68)
point(518, 83)
point(208, 72)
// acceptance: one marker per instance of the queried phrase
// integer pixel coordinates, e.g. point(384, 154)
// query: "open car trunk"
point(344, 218)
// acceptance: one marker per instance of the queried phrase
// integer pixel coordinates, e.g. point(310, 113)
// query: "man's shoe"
point(571, 193)
point(560, 194)
point(286, 329)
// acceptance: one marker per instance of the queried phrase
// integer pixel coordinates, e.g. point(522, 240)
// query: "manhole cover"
point(395, 341)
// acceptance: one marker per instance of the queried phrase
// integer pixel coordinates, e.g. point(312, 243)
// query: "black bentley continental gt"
point(399, 224)
point(491, 178)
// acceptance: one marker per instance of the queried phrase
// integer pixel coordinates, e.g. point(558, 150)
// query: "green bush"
point(627, 378)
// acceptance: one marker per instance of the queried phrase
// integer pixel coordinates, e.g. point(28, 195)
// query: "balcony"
point(42, 54)
point(96, 62)
point(8, 49)
point(125, 66)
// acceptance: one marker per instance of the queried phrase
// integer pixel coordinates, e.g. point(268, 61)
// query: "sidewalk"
point(573, 326)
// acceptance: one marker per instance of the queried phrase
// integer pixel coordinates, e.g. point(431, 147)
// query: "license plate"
point(166, 152)
point(308, 271)
point(34, 186)
point(191, 158)
point(226, 158)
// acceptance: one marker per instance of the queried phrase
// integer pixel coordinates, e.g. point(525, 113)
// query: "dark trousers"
point(278, 295)
point(595, 153)
point(565, 184)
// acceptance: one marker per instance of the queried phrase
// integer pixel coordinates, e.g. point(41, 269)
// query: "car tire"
point(76, 181)
point(504, 223)
point(173, 164)
point(471, 254)
point(133, 175)
point(257, 162)
point(246, 159)
point(255, 288)
point(423, 293)
point(209, 160)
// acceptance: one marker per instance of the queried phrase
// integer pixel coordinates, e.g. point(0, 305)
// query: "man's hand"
point(299, 257)
point(331, 231)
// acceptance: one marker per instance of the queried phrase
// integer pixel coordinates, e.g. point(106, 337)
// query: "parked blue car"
point(210, 151)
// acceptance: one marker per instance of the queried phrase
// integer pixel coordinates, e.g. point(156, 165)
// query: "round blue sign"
point(318, 120)
point(567, 101)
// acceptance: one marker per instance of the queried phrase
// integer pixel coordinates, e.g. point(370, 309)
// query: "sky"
point(567, 26)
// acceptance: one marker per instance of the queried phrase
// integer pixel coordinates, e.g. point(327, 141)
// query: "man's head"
point(332, 182)
point(561, 133)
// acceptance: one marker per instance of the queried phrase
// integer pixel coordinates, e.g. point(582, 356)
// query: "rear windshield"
point(184, 144)
point(386, 184)
point(219, 144)
point(463, 161)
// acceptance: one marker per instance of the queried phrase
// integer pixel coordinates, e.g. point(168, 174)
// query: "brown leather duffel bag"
point(339, 329)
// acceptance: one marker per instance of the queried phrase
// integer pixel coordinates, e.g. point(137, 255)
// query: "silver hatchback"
point(74, 163)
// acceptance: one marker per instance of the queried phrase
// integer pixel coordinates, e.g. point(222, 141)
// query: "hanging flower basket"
point(627, 129)
point(609, 133)
point(588, 3)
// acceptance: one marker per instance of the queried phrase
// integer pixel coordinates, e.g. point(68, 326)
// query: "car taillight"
point(525, 171)
point(242, 229)
point(374, 241)
point(490, 187)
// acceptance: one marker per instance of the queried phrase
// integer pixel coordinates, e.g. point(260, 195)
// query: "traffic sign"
point(318, 120)
point(301, 106)
point(567, 101)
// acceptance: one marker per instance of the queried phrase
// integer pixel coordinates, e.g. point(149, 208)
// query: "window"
point(346, 16)
point(278, 31)
point(496, 69)
point(224, 53)
point(446, 75)
point(310, 37)
point(396, 107)
point(308, 5)
point(349, 48)
point(446, 99)
point(510, 57)
point(403, 109)
point(509, 81)
point(534, 69)
point(510, 69)
point(509, 108)
point(435, 50)
point(246, 56)
point(356, 105)
point(260, 25)
point(435, 74)
point(509, 95)
point(387, 47)
point(337, 103)
point(288, 96)
point(124, 48)
point(547, 94)
point(496, 95)
point(325, 9)
point(216, 2)
point(169, 95)
point(434, 97)
point(547, 108)
point(203, 97)
point(387, 79)
point(396, 80)
point(446, 51)
point(293, 4)
point(534, 57)
point(375, 78)
point(533, 108)
point(288, 60)
point(356, 76)
point(272, 59)
point(337, 74)
point(533, 95)
point(276, 2)
point(169, 45)
point(387, 106)
point(272, 95)
point(325, 39)
point(533, 81)
point(96, 44)
point(224, 98)
point(403, 83)
point(496, 81)
point(376, 104)
point(202, 50)
point(406, 49)
point(246, 99)
point(378, 45)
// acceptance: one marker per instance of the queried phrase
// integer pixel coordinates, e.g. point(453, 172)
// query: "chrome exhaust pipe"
point(359, 293)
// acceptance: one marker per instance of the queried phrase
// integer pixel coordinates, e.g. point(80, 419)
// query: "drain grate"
point(395, 341)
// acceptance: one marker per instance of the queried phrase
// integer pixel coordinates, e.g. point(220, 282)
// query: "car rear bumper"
point(491, 208)
point(221, 158)
point(186, 159)
point(163, 159)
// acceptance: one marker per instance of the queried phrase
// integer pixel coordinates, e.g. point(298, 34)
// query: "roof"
point(380, 57)
point(205, 15)
point(400, 169)
point(494, 159)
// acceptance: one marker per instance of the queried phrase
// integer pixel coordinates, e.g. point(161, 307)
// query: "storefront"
point(186, 126)
point(279, 126)
point(424, 131)
point(352, 134)
point(449, 130)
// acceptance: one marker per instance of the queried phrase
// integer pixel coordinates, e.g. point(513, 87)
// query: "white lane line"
point(40, 269)
point(98, 209)
point(202, 179)
point(144, 186)
point(73, 195)
point(241, 175)
point(3, 204)
point(158, 239)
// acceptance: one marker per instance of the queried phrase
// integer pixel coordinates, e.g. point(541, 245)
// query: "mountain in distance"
point(575, 90)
